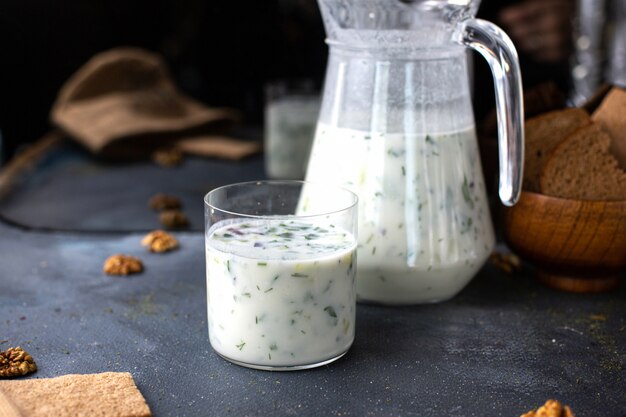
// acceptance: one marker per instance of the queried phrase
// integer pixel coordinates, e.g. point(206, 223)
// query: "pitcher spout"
point(419, 24)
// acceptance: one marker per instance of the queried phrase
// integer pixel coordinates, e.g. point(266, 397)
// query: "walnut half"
point(173, 219)
point(168, 157)
point(16, 362)
point(159, 241)
point(122, 265)
point(551, 408)
point(507, 262)
point(162, 201)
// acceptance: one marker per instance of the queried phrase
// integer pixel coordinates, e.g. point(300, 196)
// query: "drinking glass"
point(280, 284)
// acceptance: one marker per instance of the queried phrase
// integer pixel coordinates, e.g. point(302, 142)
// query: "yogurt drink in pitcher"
point(396, 127)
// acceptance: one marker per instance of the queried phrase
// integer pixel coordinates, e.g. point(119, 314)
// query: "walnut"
point(173, 219)
point(159, 241)
point(162, 201)
point(168, 157)
point(551, 408)
point(507, 262)
point(16, 362)
point(122, 265)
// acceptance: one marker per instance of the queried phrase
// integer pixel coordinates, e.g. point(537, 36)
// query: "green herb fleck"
point(268, 290)
point(261, 263)
point(228, 266)
point(241, 345)
point(332, 313)
point(299, 275)
point(346, 326)
point(468, 225)
point(273, 346)
point(403, 170)
point(466, 193)
point(429, 140)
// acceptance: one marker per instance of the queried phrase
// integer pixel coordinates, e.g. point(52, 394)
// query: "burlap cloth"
point(123, 103)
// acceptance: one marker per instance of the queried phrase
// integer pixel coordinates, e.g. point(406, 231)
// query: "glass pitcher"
point(396, 127)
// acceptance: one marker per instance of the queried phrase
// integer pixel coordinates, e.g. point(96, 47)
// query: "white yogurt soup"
point(281, 292)
point(424, 222)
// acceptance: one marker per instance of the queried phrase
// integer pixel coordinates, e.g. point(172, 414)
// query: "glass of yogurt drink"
point(291, 111)
point(396, 126)
point(280, 286)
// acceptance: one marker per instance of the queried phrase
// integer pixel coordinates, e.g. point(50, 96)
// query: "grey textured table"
point(504, 345)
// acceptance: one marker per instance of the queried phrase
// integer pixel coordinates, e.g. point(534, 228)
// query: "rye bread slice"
point(543, 134)
point(581, 167)
point(611, 115)
point(97, 395)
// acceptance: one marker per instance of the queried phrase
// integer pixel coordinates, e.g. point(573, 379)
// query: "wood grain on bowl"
point(577, 245)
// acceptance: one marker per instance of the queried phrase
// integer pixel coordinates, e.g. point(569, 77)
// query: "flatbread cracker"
point(107, 394)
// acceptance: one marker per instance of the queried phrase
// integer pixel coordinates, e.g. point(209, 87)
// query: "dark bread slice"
point(581, 167)
point(611, 115)
point(543, 134)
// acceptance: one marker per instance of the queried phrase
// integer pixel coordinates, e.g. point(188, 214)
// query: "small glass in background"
point(291, 111)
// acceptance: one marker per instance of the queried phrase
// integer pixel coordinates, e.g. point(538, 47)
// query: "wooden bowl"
point(577, 245)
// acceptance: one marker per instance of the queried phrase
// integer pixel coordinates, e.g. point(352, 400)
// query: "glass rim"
point(355, 199)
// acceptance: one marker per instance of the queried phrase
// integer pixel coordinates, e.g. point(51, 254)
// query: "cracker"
point(94, 395)
point(7, 408)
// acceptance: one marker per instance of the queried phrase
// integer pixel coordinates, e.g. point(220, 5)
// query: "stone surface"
point(503, 346)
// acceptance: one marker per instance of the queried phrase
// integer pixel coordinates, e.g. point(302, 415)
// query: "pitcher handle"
point(496, 47)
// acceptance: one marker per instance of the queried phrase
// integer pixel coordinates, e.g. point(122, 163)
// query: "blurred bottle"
point(600, 47)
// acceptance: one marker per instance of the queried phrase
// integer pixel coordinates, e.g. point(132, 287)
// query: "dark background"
point(220, 52)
